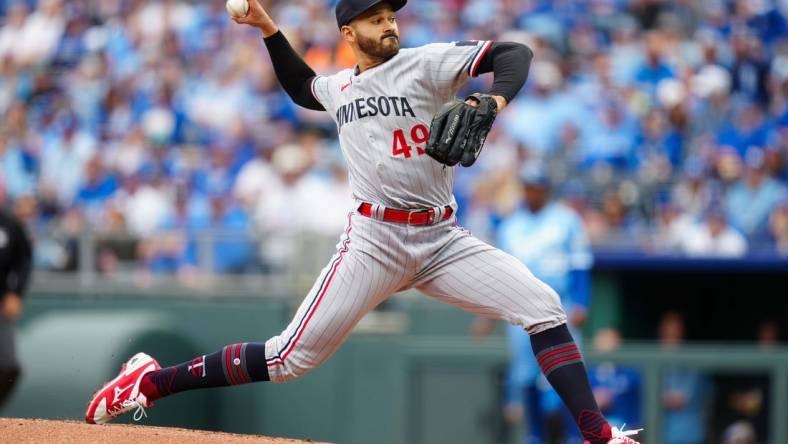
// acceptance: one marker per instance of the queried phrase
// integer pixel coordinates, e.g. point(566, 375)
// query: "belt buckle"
point(430, 217)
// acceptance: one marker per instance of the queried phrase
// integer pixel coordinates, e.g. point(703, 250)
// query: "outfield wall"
point(428, 384)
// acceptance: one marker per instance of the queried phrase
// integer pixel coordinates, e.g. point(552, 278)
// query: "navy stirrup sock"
point(562, 364)
point(232, 365)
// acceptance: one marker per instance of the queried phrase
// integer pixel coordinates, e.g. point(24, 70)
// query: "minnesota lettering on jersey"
point(373, 106)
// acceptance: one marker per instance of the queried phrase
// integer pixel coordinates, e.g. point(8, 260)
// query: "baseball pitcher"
point(402, 134)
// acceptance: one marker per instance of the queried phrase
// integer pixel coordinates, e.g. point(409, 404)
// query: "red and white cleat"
point(622, 437)
point(122, 394)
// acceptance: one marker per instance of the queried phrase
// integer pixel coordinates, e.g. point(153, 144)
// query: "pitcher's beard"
point(382, 49)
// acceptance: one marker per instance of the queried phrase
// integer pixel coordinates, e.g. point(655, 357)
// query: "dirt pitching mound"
point(22, 431)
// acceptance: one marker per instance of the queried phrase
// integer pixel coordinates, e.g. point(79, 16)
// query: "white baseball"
point(237, 8)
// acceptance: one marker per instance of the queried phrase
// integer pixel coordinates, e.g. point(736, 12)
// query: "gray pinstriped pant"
point(375, 259)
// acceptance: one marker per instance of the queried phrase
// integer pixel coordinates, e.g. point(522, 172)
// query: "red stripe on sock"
point(228, 363)
point(237, 354)
point(557, 352)
point(552, 364)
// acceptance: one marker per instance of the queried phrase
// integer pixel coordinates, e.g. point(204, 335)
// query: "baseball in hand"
point(237, 8)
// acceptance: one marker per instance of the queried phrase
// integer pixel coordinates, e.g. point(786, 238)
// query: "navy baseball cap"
point(347, 10)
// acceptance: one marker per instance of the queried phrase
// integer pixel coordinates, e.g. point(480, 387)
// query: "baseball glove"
point(458, 130)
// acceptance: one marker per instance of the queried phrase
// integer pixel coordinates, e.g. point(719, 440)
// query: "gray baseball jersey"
point(382, 116)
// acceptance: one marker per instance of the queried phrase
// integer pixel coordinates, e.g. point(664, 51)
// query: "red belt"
point(421, 217)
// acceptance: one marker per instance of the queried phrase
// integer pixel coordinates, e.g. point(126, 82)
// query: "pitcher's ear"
point(348, 33)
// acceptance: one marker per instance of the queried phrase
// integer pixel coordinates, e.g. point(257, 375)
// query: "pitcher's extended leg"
point(350, 285)
point(362, 273)
point(484, 280)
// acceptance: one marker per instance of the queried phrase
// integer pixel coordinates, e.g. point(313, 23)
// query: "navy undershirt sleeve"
point(293, 73)
point(509, 62)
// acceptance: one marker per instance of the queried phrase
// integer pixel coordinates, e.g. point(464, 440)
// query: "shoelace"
point(620, 433)
point(140, 412)
point(127, 405)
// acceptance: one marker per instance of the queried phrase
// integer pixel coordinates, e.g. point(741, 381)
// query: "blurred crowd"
point(664, 124)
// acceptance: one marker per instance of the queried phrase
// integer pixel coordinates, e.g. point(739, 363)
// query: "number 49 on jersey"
point(419, 135)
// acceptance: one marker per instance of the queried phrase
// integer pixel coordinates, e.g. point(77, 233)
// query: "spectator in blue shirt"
point(658, 139)
point(609, 136)
point(99, 186)
point(63, 159)
point(748, 128)
point(764, 19)
point(654, 67)
point(233, 247)
point(14, 175)
point(752, 199)
point(685, 392)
